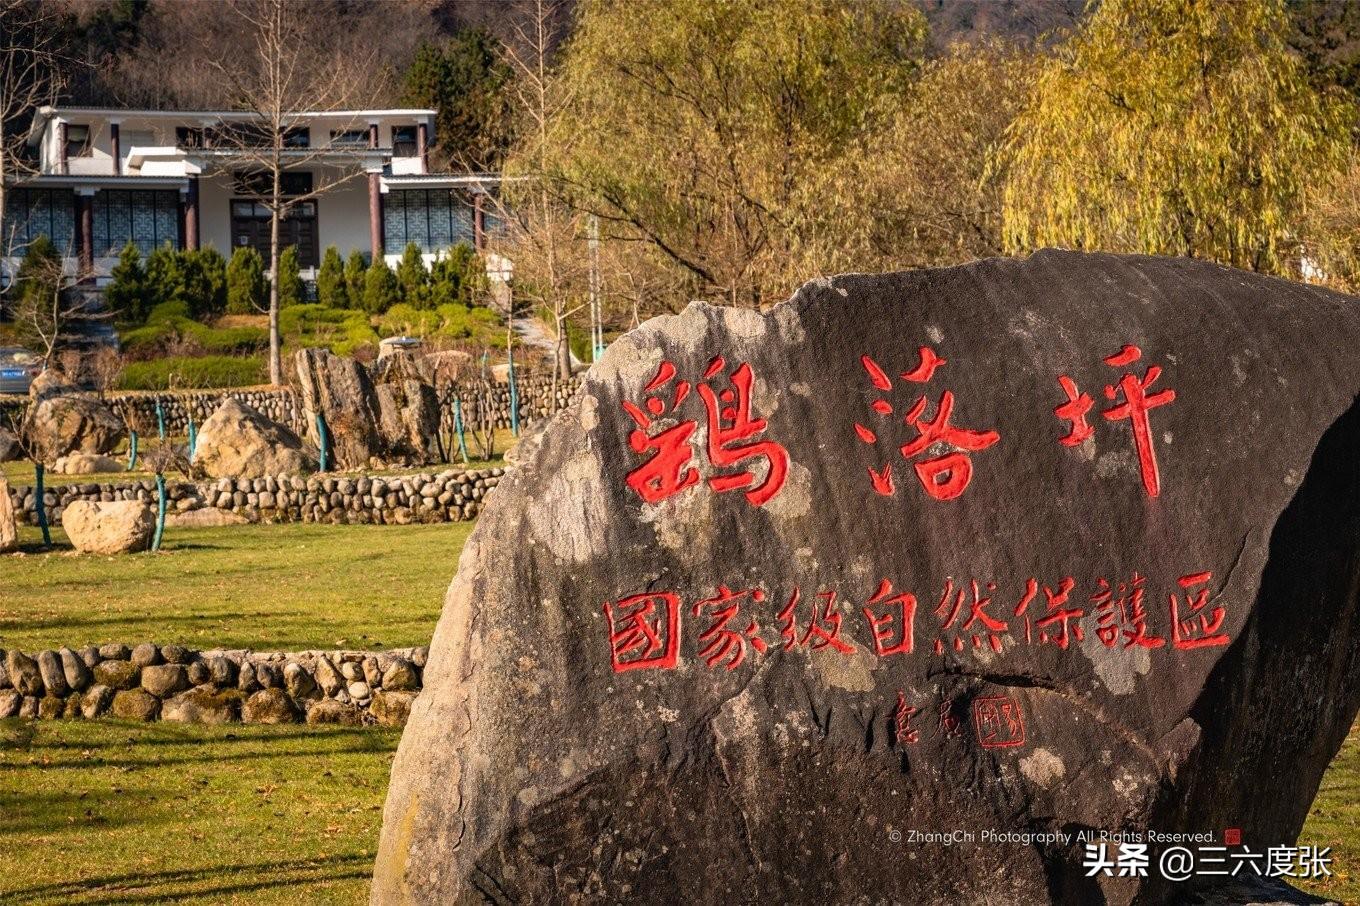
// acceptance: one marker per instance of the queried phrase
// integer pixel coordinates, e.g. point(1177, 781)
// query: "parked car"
point(18, 368)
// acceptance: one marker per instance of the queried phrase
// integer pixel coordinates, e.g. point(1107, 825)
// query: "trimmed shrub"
point(381, 289)
point(414, 279)
point(247, 289)
point(126, 296)
point(291, 291)
point(204, 282)
point(331, 289)
point(201, 372)
point(356, 270)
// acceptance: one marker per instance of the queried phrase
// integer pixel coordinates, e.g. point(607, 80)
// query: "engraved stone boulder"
point(1051, 548)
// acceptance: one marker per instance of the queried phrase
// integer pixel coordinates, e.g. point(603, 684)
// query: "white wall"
point(214, 213)
point(343, 214)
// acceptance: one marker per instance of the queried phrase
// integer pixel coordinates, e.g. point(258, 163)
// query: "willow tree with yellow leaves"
point(1178, 127)
point(713, 134)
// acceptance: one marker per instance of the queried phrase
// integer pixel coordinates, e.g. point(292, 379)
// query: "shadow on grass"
point(202, 884)
point(352, 741)
point(32, 814)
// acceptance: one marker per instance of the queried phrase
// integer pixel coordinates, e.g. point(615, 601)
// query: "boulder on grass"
point(340, 389)
point(108, 527)
point(64, 420)
point(86, 464)
point(9, 529)
point(238, 442)
point(9, 446)
point(408, 419)
point(1063, 548)
point(270, 706)
point(135, 704)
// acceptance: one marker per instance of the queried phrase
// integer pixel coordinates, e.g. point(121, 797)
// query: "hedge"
point(201, 372)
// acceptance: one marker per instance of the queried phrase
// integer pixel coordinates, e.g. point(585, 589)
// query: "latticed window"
point(434, 219)
point(145, 217)
point(30, 213)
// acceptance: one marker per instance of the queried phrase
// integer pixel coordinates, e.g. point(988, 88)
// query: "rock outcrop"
point(1034, 547)
point(341, 390)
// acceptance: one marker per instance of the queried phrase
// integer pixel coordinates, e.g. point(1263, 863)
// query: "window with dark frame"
point(349, 138)
point(78, 140)
point(188, 137)
point(403, 141)
point(297, 137)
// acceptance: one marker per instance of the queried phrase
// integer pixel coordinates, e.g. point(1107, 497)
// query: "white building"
point(106, 177)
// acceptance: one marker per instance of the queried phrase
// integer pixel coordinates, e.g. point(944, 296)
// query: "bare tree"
point(544, 238)
point(286, 69)
point(31, 75)
point(46, 307)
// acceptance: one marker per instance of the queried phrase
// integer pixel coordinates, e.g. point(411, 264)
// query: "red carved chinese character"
point(639, 637)
point(998, 721)
point(1126, 613)
point(1074, 410)
point(977, 613)
point(947, 475)
point(902, 721)
point(1192, 626)
point(888, 640)
point(733, 438)
point(1135, 407)
point(825, 624)
point(667, 471)
point(730, 432)
point(717, 641)
point(1058, 614)
point(949, 725)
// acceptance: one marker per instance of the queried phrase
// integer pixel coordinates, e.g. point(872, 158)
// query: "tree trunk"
point(563, 349)
point(275, 355)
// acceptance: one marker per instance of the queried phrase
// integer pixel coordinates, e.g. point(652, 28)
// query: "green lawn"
point(269, 587)
point(106, 812)
point(1334, 821)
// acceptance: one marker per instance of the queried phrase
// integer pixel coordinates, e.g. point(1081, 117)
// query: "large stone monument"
point(1063, 550)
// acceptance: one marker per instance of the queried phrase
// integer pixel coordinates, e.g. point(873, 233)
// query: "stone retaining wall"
point(213, 687)
point(453, 495)
point(483, 402)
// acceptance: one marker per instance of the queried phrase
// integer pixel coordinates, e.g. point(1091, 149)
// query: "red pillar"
point(191, 215)
point(61, 144)
point(478, 223)
point(375, 231)
point(85, 232)
point(115, 141)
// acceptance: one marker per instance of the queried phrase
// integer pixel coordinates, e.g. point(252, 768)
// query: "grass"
point(107, 812)
point(268, 587)
point(1334, 820)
